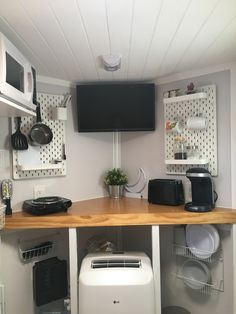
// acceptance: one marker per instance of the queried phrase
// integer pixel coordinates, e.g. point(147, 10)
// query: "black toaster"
point(165, 192)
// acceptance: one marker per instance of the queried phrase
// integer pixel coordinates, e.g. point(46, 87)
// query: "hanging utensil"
point(40, 133)
point(7, 190)
point(63, 151)
point(66, 100)
point(18, 139)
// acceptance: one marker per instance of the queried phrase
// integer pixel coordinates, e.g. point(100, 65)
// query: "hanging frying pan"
point(40, 133)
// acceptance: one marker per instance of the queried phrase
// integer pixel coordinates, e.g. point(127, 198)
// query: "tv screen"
point(116, 107)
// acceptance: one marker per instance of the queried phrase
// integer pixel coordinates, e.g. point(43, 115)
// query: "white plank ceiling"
point(65, 39)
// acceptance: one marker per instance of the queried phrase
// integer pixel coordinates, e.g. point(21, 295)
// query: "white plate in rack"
point(195, 274)
point(202, 240)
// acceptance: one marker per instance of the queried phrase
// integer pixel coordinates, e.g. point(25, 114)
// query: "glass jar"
point(195, 152)
point(189, 152)
point(180, 151)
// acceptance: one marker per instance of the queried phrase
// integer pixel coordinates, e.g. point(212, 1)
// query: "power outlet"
point(2, 160)
point(39, 191)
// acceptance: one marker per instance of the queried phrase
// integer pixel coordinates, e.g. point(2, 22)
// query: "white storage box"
point(59, 113)
point(116, 283)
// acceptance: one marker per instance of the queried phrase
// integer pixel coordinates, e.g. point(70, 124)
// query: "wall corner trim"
point(193, 73)
point(55, 81)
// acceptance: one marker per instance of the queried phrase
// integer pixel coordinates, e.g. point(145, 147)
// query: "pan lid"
point(198, 172)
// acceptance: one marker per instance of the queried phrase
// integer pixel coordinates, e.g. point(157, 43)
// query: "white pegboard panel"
point(36, 158)
point(206, 139)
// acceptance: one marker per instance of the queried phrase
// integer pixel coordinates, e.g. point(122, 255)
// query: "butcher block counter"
point(122, 212)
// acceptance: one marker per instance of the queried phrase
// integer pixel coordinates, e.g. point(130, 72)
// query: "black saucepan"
point(40, 133)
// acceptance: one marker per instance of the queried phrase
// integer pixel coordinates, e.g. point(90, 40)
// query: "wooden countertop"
point(124, 212)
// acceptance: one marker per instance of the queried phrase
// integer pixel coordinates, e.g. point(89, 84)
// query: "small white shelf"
point(10, 109)
point(186, 161)
point(194, 96)
point(39, 167)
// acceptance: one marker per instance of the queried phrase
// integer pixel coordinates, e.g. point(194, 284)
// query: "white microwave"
point(17, 76)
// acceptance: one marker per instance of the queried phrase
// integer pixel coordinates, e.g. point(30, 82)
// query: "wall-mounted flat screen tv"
point(116, 107)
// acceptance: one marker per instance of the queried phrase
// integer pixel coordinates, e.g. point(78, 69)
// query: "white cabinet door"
point(234, 263)
point(73, 270)
point(2, 288)
point(156, 267)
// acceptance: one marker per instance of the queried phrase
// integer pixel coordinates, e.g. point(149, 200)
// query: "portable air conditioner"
point(117, 283)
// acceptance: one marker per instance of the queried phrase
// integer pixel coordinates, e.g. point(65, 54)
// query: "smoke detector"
point(111, 62)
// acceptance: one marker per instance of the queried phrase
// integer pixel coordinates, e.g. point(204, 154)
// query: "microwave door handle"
point(30, 82)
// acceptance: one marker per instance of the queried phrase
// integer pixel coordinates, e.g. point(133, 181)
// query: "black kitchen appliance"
point(49, 280)
point(166, 192)
point(46, 205)
point(203, 193)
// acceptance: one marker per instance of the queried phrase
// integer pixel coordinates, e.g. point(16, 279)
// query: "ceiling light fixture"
point(111, 62)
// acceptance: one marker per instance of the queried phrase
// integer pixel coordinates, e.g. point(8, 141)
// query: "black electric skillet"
point(40, 133)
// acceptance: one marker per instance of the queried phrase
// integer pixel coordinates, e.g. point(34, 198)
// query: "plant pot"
point(116, 191)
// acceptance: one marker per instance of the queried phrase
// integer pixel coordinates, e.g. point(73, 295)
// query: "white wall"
point(89, 155)
point(146, 149)
point(233, 167)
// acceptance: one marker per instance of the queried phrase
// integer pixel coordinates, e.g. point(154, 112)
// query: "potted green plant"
point(115, 179)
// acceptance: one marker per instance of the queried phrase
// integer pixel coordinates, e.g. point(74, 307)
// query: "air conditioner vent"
point(108, 263)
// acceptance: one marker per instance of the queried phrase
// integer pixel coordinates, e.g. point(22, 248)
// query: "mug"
point(166, 94)
point(174, 92)
point(175, 126)
point(196, 123)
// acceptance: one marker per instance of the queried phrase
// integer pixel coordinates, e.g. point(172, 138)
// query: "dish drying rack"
point(217, 257)
point(207, 288)
point(36, 249)
point(186, 252)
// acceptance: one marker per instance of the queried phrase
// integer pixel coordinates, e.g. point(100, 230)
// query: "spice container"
point(180, 150)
